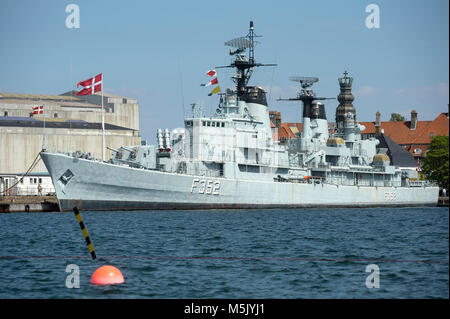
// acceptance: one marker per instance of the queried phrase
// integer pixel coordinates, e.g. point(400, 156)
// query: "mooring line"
point(32, 166)
point(354, 260)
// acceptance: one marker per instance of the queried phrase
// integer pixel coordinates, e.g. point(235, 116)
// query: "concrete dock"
point(12, 204)
point(443, 201)
point(30, 204)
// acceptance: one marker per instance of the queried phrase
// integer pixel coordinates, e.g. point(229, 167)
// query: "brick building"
point(413, 135)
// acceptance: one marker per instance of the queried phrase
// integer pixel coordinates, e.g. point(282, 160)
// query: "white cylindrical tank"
point(167, 140)
point(159, 137)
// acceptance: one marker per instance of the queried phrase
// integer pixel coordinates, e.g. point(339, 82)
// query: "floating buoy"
point(107, 275)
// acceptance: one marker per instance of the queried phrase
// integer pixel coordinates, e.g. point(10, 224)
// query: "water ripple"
point(315, 253)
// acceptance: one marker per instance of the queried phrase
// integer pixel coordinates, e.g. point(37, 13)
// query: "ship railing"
point(416, 183)
point(309, 180)
point(29, 191)
point(205, 172)
point(242, 160)
point(317, 180)
point(197, 171)
point(71, 153)
point(365, 182)
point(420, 183)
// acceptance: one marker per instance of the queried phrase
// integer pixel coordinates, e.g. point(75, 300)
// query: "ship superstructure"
point(231, 159)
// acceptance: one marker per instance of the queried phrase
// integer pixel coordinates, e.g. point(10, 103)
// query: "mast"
point(307, 96)
point(243, 65)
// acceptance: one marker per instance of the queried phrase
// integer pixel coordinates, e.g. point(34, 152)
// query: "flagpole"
point(103, 124)
point(43, 139)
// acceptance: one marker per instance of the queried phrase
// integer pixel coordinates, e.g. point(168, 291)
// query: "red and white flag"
point(211, 73)
point(91, 86)
point(38, 109)
point(213, 81)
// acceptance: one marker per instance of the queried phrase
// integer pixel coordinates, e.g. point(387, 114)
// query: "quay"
point(442, 201)
point(28, 204)
point(32, 204)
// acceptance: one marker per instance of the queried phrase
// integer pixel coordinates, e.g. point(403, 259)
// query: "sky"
point(159, 52)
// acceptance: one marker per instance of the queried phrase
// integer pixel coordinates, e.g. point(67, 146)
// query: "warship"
point(232, 159)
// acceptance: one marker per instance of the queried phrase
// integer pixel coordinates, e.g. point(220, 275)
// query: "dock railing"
point(29, 191)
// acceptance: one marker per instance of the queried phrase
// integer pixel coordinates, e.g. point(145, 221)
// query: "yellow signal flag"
point(215, 90)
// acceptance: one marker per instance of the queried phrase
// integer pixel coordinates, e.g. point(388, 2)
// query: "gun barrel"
point(112, 149)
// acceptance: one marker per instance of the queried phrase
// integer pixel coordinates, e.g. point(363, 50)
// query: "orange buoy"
point(107, 275)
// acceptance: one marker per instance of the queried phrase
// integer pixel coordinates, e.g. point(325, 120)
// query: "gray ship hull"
point(93, 185)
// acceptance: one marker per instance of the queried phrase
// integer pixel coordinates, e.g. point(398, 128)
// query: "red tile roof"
point(285, 131)
point(399, 132)
point(419, 138)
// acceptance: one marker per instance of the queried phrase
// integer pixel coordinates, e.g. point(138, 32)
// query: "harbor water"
point(304, 253)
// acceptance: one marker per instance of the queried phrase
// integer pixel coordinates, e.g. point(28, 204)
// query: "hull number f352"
point(203, 186)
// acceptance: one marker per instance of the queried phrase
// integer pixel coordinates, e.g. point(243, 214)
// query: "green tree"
point(435, 163)
point(395, 117)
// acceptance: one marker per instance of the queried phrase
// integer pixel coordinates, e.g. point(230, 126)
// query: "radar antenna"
point(306, 83)
point(243, 65)
point(306, 94)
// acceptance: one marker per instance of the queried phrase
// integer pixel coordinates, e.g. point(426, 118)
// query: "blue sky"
point(159, 51)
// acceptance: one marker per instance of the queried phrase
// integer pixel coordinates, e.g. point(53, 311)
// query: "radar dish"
point(241, 43)
point(304, 79)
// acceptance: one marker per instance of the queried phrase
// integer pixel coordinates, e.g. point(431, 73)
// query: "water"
point(314, 253)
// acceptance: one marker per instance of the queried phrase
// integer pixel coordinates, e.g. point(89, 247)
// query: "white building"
point(69, 123)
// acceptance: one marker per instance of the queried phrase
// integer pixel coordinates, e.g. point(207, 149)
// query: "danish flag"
point(94, 83)
point(38, 109)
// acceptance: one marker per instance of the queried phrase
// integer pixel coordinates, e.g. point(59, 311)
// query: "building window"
point(208, 123)
point(31, 181)
point(223, 124)
point(6, 113)
point(431, 134)
point(213, 124)
point(55, 115)
point(40, 180)
point(204, 123)
point(35, 180)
